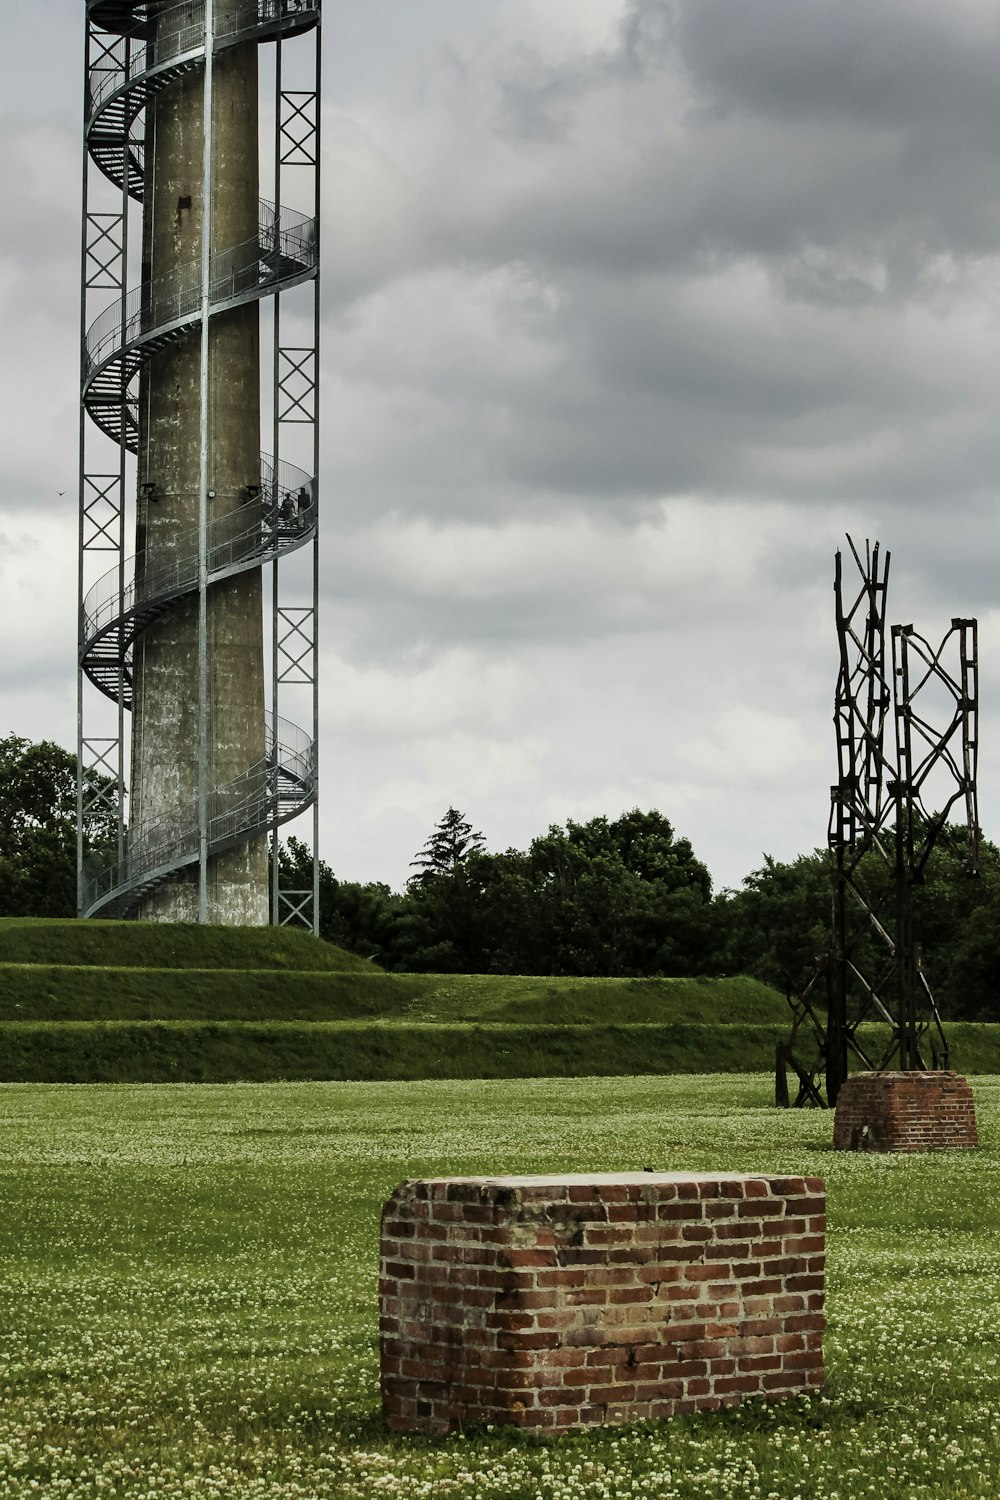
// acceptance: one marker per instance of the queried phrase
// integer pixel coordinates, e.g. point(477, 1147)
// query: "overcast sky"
point(631, 309)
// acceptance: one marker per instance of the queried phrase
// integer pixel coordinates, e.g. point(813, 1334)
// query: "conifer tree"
point(452, 841)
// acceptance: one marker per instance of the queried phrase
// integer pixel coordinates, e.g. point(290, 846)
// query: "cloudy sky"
point(631, 309)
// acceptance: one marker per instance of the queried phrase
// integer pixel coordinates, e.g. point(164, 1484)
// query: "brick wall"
point(905, 1112)
point(562, 1302)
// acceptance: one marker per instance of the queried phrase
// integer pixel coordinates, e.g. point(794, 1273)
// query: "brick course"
point(905, 1112)
point(572, 1301)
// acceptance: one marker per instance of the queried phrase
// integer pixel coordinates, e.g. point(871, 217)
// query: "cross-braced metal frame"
point(134, 50)
point(295, 403)
point(881, 835)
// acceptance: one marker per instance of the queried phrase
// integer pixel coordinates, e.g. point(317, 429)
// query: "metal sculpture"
point(881, 835)
point(172, 408)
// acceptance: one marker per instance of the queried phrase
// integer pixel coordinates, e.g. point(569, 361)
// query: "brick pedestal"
point(905, 1112)
point(566, 1302)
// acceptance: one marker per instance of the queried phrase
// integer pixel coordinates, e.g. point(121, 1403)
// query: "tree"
point(970, 989)
point(452, 841)
point(779, 923)
point(38, 827)
point(956, 920)
point(627, 897)
point(597, 898)
point(621, 897)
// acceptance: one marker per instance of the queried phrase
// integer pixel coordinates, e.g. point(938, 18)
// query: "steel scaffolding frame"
point(879, 820)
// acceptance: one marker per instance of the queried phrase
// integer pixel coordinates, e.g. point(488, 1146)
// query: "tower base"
point(237, 891)
point(905, 1112)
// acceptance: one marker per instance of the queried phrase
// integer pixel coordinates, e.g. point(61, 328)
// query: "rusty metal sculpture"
point(881, 836)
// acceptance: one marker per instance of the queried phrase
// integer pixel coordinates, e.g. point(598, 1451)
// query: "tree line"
point(628, 898)
point(623, 897)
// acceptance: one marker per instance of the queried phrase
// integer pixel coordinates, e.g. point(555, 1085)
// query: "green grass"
point(234, 1051)
point(163, 945)
point(188, 1295)
point(148, 1002)
point(59, 992)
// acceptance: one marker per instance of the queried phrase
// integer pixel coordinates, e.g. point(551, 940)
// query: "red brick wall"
point(572, 1301)
point(905, 1112)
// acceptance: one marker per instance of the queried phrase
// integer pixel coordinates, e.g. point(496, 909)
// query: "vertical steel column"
point(969, 707)
point(276, 442)
point(203, 441)
point(902, 792)
point(924, 749)
point(860, 708)
point(317, 210)
point(82, 484)
point(842, 834)
point(295, 641)
point(122, 484)
point(100, 768)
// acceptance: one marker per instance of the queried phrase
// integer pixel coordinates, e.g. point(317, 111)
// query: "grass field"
point(188, 1294)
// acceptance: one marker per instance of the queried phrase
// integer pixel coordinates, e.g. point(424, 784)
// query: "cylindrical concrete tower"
point(172, 375)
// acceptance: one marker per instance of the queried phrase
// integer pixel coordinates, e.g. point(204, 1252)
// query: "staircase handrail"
point(167, 300)
point(278, 783)
point(183, 25)
point(254, 530)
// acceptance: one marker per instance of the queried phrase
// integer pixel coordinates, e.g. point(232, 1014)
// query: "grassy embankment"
point(110, 1001)
point(188, 1279)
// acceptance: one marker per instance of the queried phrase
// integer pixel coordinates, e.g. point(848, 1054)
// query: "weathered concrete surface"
point(165, 720)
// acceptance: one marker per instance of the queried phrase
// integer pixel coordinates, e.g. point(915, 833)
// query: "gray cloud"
point(664, 165)
point(734, 129)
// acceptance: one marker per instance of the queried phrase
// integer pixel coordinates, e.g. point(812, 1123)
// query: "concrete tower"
point(172, 379)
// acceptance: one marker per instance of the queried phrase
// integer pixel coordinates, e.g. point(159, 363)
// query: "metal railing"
point(283, 239)
point(283, 513)
point(179, 33)
point(277, 786)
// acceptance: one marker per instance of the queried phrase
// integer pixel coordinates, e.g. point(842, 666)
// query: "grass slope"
point(237, 1051)
point(162, 945)
point(155, 1002)
point(178, 1051)
point(188, 1279)
point(88, 1002)
point(53, 992)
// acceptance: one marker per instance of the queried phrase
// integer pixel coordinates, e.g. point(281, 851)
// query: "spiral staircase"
point(143, 49)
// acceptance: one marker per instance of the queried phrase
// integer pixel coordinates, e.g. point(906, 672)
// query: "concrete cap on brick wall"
point(608, 1179)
